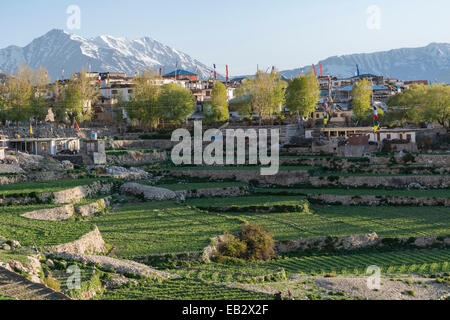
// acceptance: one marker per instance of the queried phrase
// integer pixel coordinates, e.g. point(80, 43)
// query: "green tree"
point(175, 103)
point(77, 96)
point(143, 104)
point(361, 93)
point(422, 103)
point(264, 94)
point(302, 95)
point(217, 109)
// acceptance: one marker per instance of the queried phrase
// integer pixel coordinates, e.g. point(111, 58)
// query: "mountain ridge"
point(58, 50)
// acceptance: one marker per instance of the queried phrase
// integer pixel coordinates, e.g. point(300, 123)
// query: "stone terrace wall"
point(293, 177)
point(91, 242)
point(348, 200)
point(140, 144)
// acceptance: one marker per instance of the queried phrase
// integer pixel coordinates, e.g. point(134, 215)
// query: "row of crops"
point(181, 289)
point(41, 233)
point(403, 262)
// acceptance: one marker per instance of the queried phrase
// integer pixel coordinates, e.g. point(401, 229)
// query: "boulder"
point(147, 192)
point(15, 244)
point(6, 247)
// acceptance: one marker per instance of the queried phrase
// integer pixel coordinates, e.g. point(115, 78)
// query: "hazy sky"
point(244, 33)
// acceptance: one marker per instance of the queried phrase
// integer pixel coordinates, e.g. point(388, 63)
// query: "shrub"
point(52, 283)
point(234, 247)
point(254, 243)
point(260, 243)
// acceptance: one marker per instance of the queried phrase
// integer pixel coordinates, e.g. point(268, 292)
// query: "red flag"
point(76, 125)
point(227, 73)
point(321, 70)
point(315, 71)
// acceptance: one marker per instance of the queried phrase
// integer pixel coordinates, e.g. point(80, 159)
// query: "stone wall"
point(135, 157)
point(213, 192)
point(53, 214)
point(78, 193)
point(93, 208)
point(293, 177)
point(125, 267)
point(140, 144)
point(91, 242)
point(356, 242)
point(369, 200)
point(147, 192)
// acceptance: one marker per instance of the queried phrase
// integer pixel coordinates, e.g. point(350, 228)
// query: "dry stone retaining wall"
point(293, 177)
point(147, 192)
point(119, 266)
point(93, 208)
point(89, 243)
point(213, 192)
point(78, 193)
point(348, 200)
point(53, 214)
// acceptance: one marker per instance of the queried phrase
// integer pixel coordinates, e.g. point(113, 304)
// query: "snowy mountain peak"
point(431, 62)
point(59, 50)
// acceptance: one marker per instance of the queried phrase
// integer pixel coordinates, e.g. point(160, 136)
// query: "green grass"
point(137, 229)
point(181, 289)
point(214, 272)
point(44, 186)
point(42, 233)
point(2, 297)
point(405, 262)
point(437, 193)
point(246, 201)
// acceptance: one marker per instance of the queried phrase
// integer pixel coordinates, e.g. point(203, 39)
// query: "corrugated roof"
point(181, 73)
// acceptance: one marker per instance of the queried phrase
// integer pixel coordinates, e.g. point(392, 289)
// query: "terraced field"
point(42, 233)
point(404, 262)
point(44, 186)
point(181, 289)
point(136, 229)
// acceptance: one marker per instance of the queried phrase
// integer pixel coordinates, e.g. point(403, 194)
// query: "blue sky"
point(242, 34)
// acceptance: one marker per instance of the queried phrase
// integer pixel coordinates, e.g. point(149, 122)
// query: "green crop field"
point(181, 289)
point(433, 193)
point(41, 233)
point(405, 262)
point(43, 186)
point(136, 229)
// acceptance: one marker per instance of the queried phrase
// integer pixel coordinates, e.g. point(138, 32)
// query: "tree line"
point(28, 95)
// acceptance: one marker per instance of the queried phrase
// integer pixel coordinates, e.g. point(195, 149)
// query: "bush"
point(234, 247)
point(52, 283)
point(260, 243)
point(254, 243)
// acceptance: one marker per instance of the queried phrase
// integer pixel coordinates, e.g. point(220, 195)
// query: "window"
point(389, 137)
point(114, 91)
point(130, 91)
point(44, 146)
point(408, 137)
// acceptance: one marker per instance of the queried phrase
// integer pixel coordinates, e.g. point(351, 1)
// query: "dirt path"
point(391, 288)
point(17, 287)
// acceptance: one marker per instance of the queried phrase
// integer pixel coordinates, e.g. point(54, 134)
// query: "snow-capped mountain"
point(58, 50)
point(426, 63)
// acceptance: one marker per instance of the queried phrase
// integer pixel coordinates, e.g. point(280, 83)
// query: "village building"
point(45, 146)
point(181, 75)
point(93, 151)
